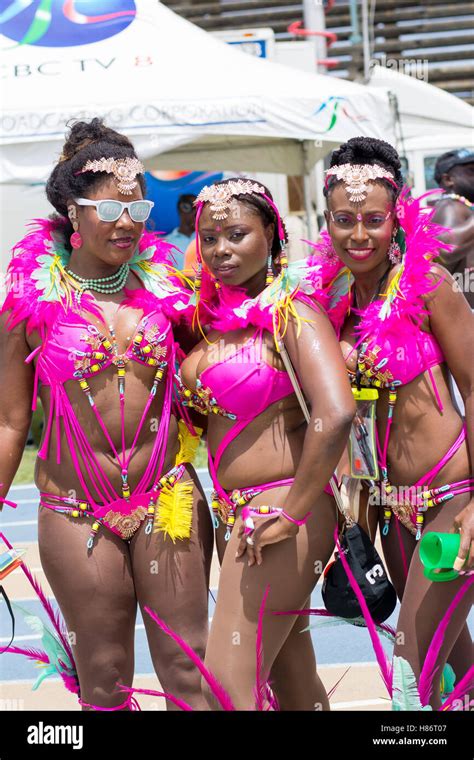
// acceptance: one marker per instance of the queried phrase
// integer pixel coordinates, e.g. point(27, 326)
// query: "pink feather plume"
point(260, 686)
point(218, 309)
point(382, 659)
point(175, 700)
point(217, 689)
point(463, 687)
point(144, 299)
point(22, 300)
point(425, 683)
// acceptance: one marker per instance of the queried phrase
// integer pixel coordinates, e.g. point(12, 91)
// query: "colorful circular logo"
point(64, 23)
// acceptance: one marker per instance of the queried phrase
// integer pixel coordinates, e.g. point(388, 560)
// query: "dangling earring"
point(198, 278)
point(283, 256)
point(270, 277)
point(75, 239)
point(394, 252)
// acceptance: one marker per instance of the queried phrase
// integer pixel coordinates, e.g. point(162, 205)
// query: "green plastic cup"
point(437, 553)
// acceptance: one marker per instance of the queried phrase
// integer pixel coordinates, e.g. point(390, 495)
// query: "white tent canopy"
point(186, 99)
point(427, 113)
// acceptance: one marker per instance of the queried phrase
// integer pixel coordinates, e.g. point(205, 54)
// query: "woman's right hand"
point(464, 524)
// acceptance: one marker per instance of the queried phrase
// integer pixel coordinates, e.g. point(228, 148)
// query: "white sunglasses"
point(110, 210)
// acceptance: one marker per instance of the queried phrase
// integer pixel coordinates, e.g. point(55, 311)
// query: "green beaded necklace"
point(111, 284)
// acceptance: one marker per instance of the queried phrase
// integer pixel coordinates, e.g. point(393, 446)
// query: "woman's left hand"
point(464, 524)
point(268, 531)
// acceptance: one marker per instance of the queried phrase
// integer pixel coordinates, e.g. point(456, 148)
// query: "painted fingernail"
point(458, 563)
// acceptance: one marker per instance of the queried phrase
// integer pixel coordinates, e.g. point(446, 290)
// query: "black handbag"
point(370, 574)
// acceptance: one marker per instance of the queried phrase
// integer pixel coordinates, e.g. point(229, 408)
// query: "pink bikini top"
point(239, 387)
point(73, 348)
point(397, 359)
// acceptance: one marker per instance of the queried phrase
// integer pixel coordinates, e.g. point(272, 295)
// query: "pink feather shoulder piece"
point(404, 303)
point(230, 308)
point(162, 284)
point(38, 288)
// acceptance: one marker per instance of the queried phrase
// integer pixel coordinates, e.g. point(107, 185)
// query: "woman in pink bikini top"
point(262, 457)
point(89, 324)
point(398, 316)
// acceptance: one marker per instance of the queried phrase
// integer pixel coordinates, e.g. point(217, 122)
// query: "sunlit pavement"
point(339, 648)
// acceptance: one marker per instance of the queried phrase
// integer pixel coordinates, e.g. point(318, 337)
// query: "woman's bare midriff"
point(268, 449)
point(270, 446)
point(61, 478)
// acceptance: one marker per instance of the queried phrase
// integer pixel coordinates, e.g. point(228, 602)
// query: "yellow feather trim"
point(175, 511)
point(394, 286)
point(63, 277)
point(285, 309)
point(188, 443)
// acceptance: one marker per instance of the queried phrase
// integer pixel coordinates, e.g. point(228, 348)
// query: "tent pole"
point(307, 191)
point(307, 206)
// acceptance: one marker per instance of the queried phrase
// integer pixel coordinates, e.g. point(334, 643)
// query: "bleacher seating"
point(440, 33)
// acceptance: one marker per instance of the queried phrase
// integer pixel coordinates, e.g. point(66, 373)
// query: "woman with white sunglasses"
point(88, 326)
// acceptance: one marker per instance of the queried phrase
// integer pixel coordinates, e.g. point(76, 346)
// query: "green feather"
point(448, 681)
point(51, 645)
point(324, 622)
point(405, 688)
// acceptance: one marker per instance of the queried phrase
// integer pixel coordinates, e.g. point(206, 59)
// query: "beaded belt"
point(410, 511)
point(123, 516)
point(225, 509)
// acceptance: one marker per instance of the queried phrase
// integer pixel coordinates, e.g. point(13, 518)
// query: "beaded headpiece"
point(125, 171)
point(220, 196)
point(356, 177)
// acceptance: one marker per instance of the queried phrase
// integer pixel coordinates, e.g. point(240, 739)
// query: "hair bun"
point(84, 133)
point(369, 150)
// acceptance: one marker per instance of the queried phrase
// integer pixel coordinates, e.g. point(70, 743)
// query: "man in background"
point(454, 172)
point(184, 233)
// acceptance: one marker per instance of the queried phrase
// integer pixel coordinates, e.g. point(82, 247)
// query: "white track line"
point(23, 502)
point(359, 703)
point(36, 636)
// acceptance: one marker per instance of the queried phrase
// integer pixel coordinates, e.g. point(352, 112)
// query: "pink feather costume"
point(394, 350)
point(385, 326)
point(73, 349)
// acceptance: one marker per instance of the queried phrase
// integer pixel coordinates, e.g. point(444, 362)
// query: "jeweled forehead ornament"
point(220, 196)
point(356, 177)
point(125, 171)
